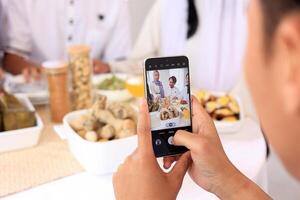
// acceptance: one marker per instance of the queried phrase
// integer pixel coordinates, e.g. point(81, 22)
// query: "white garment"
point(43, 30)
point(215, 51)
point(173, 93)
point(155, 91)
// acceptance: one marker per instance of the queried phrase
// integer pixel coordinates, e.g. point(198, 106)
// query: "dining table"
point(245, 148)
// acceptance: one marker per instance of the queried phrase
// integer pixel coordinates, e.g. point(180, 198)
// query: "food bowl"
point(112, 95)
point(225, 127)
point(22, 138)
point(98, 158)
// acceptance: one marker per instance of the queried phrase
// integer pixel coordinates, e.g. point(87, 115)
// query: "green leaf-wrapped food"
point(14, 115)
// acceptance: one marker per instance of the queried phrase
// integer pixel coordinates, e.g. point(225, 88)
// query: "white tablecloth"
point(246, 149)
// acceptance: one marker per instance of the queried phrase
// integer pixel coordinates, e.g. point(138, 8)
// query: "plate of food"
point(20, 125)
point(36, 91)
point(226, 110)
point(112, 85)
point(101, 137)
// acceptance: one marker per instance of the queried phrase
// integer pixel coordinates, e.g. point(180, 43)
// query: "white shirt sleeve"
point(119, 44)
point(146, 45)
point(18, 29)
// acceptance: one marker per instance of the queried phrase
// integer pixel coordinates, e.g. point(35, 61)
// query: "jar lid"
point(79, 49)
point(55, 67)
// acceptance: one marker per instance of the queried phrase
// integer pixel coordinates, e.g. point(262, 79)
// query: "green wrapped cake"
point(13, 114)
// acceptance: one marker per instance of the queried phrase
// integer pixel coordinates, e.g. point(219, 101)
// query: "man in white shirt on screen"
point(43, 30)
point(173, 92)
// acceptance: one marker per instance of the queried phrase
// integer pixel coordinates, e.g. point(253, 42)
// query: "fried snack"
point(103, 123)
point(128, 129)
point(120, 110)
point(107, 132)
point(91, 136)
point(77, 124)
point(174, 112)
point(220, 108)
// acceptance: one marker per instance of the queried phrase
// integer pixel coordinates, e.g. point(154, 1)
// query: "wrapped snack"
point(81, 70)
point(14, 114)
point(107, 132)
point(121, 110)
point(165, 114)
point(128, 129)
point(91, 136)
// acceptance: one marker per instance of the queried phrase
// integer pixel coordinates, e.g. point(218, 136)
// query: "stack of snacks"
point(81, 71)
point(220, 108)
point(104, 122)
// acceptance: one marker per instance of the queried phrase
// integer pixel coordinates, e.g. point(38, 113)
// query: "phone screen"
point(169, 101)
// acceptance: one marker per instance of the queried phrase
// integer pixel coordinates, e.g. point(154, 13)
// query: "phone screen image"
point(169, 102)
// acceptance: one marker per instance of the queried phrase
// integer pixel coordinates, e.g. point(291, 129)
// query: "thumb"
point(143, 128)
point(179, 170)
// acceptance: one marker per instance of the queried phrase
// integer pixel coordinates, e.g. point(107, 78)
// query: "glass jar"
point(81, 70)
point(57, 75)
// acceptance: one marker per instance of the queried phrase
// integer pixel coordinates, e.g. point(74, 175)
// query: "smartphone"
point(168, 94)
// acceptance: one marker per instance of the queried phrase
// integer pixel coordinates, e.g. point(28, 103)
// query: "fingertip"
point(143, 104)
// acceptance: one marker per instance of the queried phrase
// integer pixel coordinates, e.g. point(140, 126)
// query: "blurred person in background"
point(272, 66)
point(43, 30)
point(211, 33)
point(156, 87)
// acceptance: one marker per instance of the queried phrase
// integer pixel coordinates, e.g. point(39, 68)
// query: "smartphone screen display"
point(169, 101)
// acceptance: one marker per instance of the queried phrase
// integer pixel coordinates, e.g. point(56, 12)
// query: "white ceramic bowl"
point(97, 157)
point(21, 138)
point(231, 127)
point(112, 95)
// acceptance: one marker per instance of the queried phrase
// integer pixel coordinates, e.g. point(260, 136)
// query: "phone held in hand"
point(168, 93)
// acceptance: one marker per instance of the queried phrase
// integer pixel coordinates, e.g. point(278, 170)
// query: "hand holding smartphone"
point(167, 89)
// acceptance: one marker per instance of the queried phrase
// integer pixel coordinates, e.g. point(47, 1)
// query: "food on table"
point(185, 113)
point(113, 83)
point(81, 71)
point(91, 136)
point(220, 108)
point(183, 102)
point(169, 113)
point(104, 122)
point(14, 115)
point(153, 105)
point(165, 102)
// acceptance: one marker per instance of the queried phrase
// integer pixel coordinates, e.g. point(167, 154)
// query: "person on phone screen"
point(272, 66)
point(156, 87)
point(184, 94)
point(173, 92)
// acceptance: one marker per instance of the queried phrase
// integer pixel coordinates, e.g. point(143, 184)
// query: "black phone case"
point(162, 139)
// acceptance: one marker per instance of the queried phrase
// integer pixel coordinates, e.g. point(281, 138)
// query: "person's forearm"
point(237, 186)
point(15, 64)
